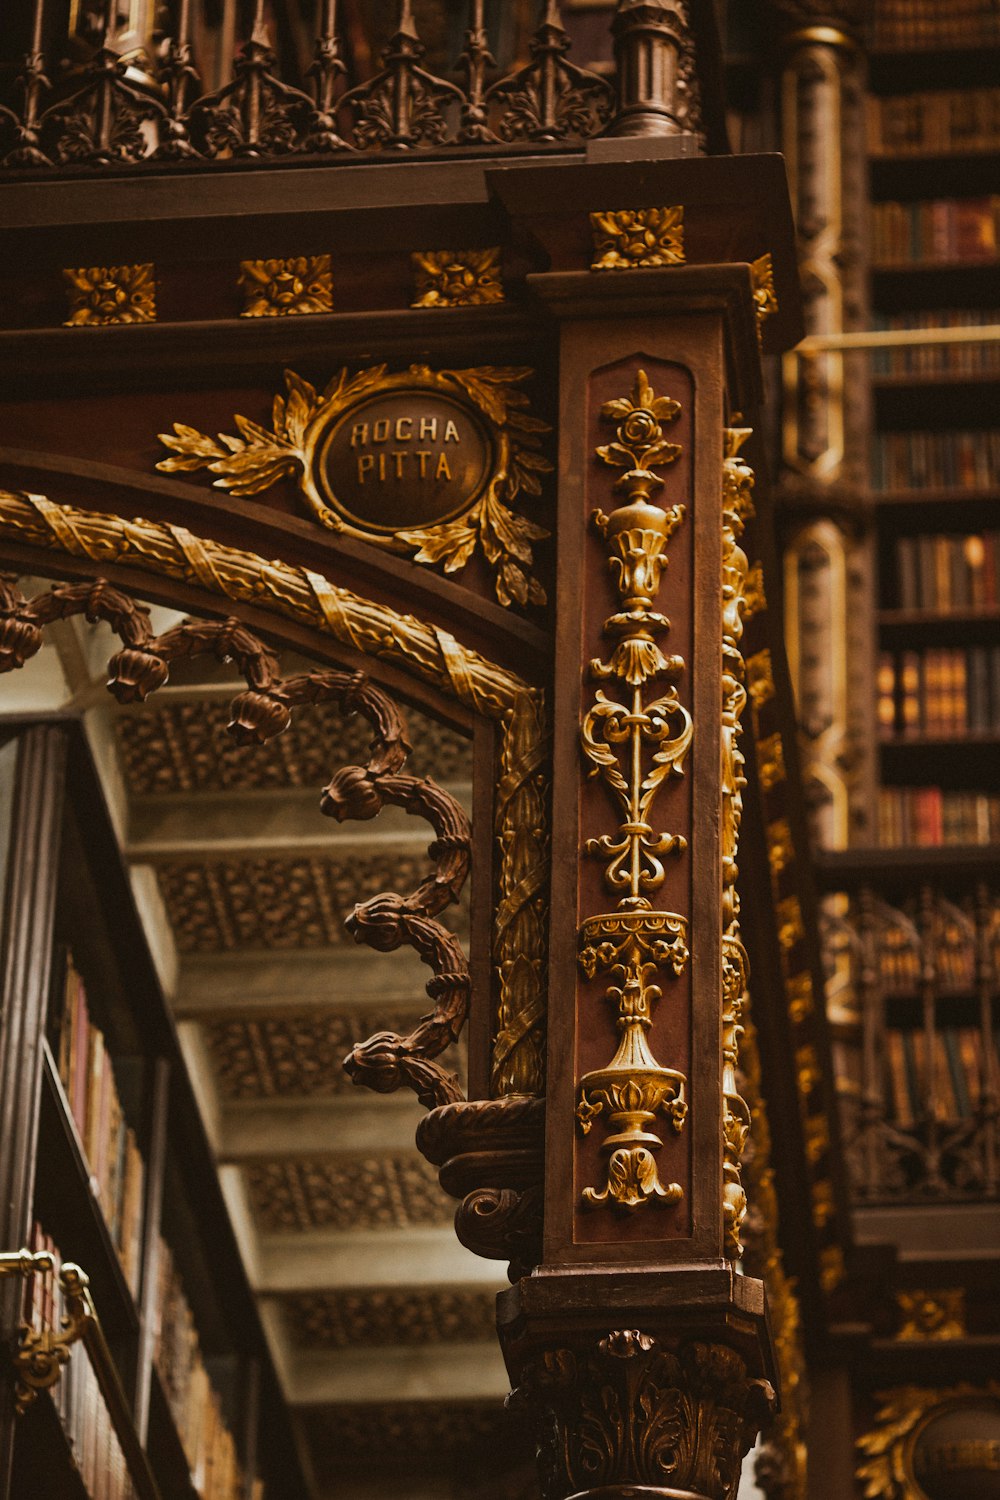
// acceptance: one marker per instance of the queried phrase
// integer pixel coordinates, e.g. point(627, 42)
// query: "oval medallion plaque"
point(435, 464)
point(956, 1451)
point(404, 459)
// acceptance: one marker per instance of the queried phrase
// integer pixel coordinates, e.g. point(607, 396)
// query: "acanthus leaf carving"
point(631, 1408)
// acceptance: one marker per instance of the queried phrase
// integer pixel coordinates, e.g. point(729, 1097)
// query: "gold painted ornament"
point(286, 288)
point(423, 462)
point(101, 295)
point(457, 278)
point(629, 239)
point(634, 741)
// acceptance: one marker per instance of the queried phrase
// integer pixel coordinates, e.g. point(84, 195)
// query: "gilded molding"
point(374, 630)
point(888, 1470)
point(634, 746)
point(765, 296)
point(100, 295)
point(286, 288)
point(799, 995)
point(832, 1267)
point(784, 1438)
point(780, 848)
point(295, 446)
point(457, 278)
point(630, 238)
point(737, 508)
point(938, 1315)
point(754, 597)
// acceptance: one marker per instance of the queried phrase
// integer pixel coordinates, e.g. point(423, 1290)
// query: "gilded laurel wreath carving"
point(635, 746)
point(305, 423)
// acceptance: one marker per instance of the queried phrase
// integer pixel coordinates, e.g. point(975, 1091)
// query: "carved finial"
point(407, 25)
point(657, 81)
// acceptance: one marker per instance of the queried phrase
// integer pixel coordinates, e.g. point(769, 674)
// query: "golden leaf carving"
point(630, 238)
point(256, 458)
point(282, 288)
point(101, 295)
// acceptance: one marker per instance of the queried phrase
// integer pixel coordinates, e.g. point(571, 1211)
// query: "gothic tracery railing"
point(124, 107)
point(918, 1026)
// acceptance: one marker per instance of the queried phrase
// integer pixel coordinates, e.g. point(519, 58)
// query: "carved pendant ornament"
point(426, 462)
point(634, 741)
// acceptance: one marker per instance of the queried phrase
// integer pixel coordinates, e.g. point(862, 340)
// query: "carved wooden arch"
point(169, 563)
point(500, 635)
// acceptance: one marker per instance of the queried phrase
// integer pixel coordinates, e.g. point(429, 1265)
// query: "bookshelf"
point(935, 458)
point(116, 1174)
point(911, 915)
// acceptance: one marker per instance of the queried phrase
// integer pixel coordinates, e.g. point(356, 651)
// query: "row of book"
point(935, 23)
point(928, 817)
point(76, 1395)
point(943, 1080)
point(981, 358)
point(922, 460)
point(194, 1402)
point(938, 693)
point(901, 969)
point(939, 231)
point(947, 572)
point(118, 1173)
point(937, 120)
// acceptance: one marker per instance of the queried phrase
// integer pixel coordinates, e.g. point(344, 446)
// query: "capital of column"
point(647, 1386)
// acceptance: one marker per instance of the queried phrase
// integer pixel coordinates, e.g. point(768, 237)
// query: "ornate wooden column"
point(639, 1350)
point(825, 420)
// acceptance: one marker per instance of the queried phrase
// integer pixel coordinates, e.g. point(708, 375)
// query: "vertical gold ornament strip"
point(634, 741)
point(737, 507)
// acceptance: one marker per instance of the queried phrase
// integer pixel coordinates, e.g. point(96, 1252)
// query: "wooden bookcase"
point(68, 900)
point(910, 942)
point(935, 164)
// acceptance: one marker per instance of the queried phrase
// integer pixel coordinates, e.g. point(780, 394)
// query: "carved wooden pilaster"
point(825, 421)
